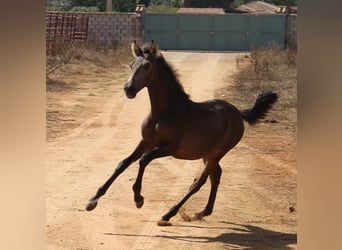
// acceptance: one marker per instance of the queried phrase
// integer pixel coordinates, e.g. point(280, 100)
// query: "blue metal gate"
point(229, 32)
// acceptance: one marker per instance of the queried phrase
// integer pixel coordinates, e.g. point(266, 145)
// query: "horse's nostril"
point(129, 90)
point(128, 87)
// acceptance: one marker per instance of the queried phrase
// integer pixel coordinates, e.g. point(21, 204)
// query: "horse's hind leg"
point(137, 153)
point(215, 177)
point(196, 185)
point(144, 161)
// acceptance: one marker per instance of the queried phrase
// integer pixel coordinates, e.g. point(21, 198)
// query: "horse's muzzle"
point(130, 90)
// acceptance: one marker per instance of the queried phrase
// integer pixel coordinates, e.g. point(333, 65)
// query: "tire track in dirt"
point(71, 163)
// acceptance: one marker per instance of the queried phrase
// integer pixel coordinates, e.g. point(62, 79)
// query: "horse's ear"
point(154, 49)
point(136, 51)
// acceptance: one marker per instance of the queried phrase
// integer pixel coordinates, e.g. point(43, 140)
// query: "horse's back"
point(211, 128)
point(225, 118)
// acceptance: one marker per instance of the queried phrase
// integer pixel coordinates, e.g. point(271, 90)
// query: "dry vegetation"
point(275, 70)
point(64, 54)
point(77, 74)
point(272, 69)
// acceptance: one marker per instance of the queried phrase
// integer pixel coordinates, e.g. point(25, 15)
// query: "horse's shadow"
point(246, 236)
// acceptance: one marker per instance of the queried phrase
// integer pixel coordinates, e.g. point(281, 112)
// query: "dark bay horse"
point(176, 126)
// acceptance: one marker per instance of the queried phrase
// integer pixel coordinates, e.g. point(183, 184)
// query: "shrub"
point(161, 9)
point(84, 9)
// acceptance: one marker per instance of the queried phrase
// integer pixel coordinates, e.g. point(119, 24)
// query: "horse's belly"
point(196, 148)
point(209, 141)
point(187, 155)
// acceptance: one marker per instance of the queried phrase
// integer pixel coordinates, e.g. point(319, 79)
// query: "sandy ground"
point(256, 201)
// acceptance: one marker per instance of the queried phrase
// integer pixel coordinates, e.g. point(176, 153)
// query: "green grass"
point(161, 9)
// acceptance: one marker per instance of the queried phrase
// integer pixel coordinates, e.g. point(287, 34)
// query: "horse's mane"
point(168, 70)
point(172, 74)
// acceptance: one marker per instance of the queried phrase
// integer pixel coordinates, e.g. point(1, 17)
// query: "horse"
point(179, 127)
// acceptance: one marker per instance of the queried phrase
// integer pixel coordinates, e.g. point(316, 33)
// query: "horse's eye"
point(147, 66)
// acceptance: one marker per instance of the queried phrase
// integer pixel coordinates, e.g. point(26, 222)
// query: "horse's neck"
point(165, 95)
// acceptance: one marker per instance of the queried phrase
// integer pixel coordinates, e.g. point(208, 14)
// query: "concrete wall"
point(114, 28)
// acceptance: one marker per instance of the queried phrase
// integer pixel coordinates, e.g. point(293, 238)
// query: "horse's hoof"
point(164, 223)
point(91, 205)
point(139, 201)
point(139, 204)
point(197, 216)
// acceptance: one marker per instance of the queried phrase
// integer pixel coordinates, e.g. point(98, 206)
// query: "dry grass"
point(79, 74)
point(261, 70)
point(82, 58)
point(64, 54)
point(275, 70)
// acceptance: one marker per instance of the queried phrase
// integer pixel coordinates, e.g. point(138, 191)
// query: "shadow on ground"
point(245, 236)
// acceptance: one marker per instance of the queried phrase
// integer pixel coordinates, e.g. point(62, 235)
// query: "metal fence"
point(215, 32)
point(65, 27)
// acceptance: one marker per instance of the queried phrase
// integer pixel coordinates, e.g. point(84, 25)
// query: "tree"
point(145, 2)
point(124, 5)
point(100, 4)
point(236, 3)
point(282, 2)
point(226, 4)
point(208, 3)
point(109, 5)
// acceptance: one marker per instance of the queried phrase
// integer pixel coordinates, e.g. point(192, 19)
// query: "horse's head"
point(141, 68)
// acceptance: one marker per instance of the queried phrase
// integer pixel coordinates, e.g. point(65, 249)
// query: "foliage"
point(173, 3)
point(91, 5)
point(228, 4)
point(225, 4)
point(236, 3)
point(266, 65)
point(84, 9)
point(160, 6)
point(145, 2)
point(282, 2)
point(99, 4)
point(124, 5)
point(161, 9)
point(58, 6)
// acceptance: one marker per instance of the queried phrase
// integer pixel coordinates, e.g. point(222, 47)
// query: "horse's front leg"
point(137, 153)
point(144, 161)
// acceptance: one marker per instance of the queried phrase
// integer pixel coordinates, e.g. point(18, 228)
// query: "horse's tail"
point(261, 106)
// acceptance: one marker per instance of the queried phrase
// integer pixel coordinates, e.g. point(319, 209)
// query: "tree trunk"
point(109, 6)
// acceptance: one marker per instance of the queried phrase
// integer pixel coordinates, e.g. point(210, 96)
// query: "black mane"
point(168, 71)
point(171, 74)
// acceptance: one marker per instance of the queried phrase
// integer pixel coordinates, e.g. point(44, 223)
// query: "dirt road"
point(256, 200)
